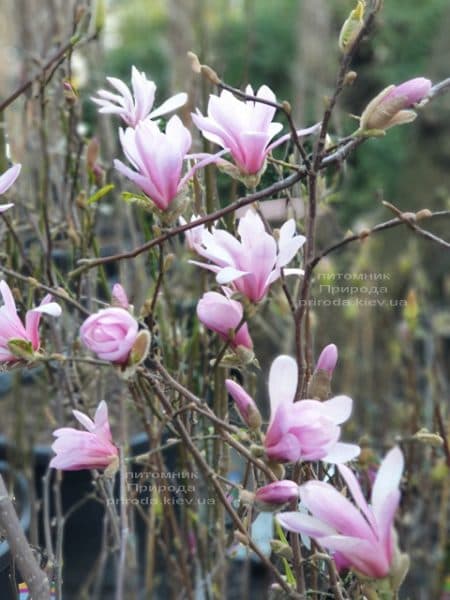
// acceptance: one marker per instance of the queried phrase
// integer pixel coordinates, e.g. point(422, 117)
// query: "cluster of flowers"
point(359, 535)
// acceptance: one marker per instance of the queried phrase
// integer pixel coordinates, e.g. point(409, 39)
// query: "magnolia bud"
point(328, 359)
point(282, 549)
point(423, 214)
point(319, 386)
point(275, 494)
point(119, 296)
point(245, 404)
point(391, 105)
point(351, 27)
point(426, 437)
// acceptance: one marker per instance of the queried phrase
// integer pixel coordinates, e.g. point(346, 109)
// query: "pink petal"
point(328, 505)
point(305, 524)
point(361, 554)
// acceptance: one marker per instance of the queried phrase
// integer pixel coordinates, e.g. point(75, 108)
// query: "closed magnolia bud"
point(426, 437)
point(245, 404)
point(319, 387)
point(328, 359)
point(195, 63)
point(391, 105)
point(350, 78)
point(351, 27)
point(119, 296)
point(92, 152)
point(425, 213)
point(246, 497)
point(276, 494)
point(281, 549)
point(277, 469)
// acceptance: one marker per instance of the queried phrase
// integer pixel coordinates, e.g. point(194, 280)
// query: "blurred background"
point(395, 357)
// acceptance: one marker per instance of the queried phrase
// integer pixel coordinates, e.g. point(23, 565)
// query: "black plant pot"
point(83, 530)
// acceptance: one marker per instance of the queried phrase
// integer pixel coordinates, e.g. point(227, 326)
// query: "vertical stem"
point(35, 578)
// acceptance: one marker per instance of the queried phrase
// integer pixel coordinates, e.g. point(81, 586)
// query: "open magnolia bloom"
point(6, 181)
point(91, 449)
point(18, 340)
point(359, 535)
point(137, 106)
point(158, 159)
point(245, 127)
point(307, 429)
point(252, 264)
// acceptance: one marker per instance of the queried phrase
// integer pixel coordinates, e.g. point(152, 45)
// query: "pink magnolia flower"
point(91, 449)
point(223, 315)
point(360, 536)
point(245, 404)
point(136, 107)
point(244, 127)
point(158, 159)
point(328, 359)
point(110, 333)
point(11, 327)
point(6, 181)
point(252, 264)
point(389, 108)
point(276, 493)
point(308, 429)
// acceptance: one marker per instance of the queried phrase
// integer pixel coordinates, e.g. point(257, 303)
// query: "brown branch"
point(410, 221)
point(360, 236)
point(20, 549)
point(86, 264)
point(57, 57)
point(210, 475)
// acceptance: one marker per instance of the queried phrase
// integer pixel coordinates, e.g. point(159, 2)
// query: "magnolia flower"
point(111, 334)
point(360, 536)
point(304, 430)
point(131, 109)
point(252, 264)
point(17, 339)
point(6, 181)
point(389, 108)
point(158, 159)
point(91, 449)
point(245, 404)
point(276, 493)
point(244, 127)
point(328, 359)
point(223, 315)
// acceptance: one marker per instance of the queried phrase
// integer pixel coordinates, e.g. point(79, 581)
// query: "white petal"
point(169, 105)
point(229, 274)
point(342, 453)
point(282, 382)
point(52, 308)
